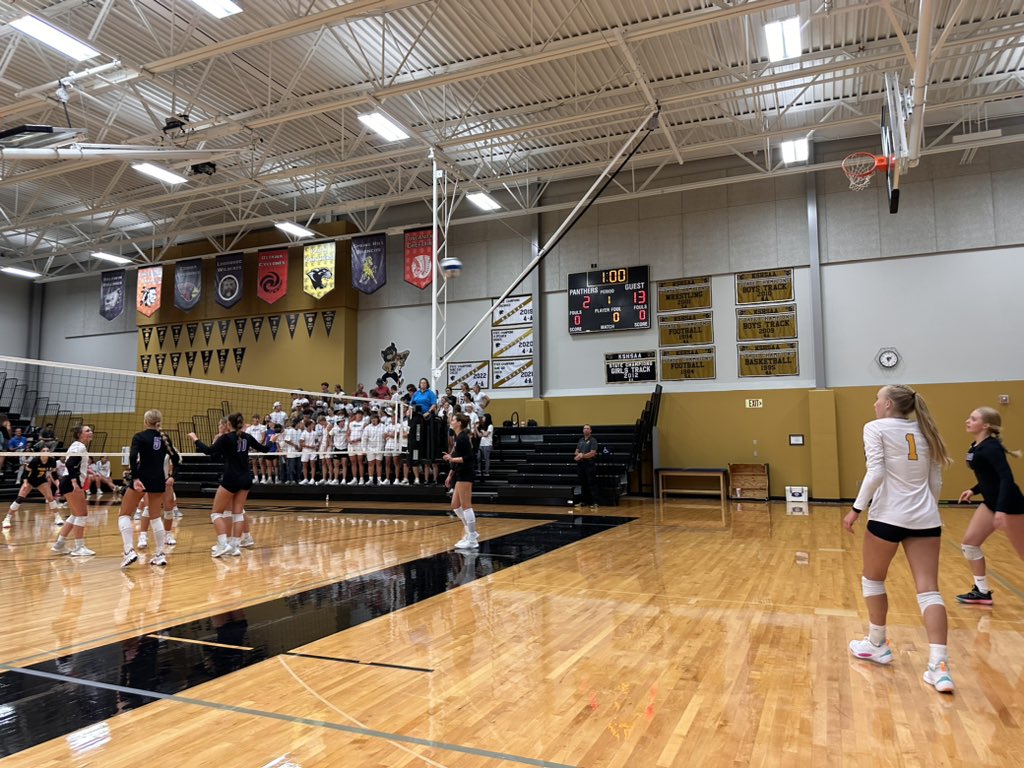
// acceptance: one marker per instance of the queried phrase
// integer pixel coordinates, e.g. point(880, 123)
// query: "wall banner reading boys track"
point(292, 319)
point(369, 263)
point(515, 310)
point(471, 373)
point(419, 264)
point(228, 280)
point(765, 286)
point(685, 293)
point(686, 328)
point(688, 364)
point(511, 372)
point(206, 356)
point(272, 275)
point(762, 323)
point(318, 269)
point(780, 359)
point(112, 294)
point(147, 293)
point(512, 342)
point(257, 327)
point(188, 283)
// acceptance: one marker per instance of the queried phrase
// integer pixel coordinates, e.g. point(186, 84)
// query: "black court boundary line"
point(355, 661)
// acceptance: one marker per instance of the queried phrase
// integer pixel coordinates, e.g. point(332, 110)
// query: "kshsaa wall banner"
point(318, 269)
point(369, 263)
point(151, 280)
point(228, 279)
point(272, 275)
point(188, 283)
point(419, 248)
point(112, 294)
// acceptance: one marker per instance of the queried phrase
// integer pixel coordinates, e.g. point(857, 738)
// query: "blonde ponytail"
point(905, 400)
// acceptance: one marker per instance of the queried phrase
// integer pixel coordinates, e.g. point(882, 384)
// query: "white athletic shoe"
point(60, 547)
point(169, 540)
point(143, 541)
point(247, 540)
point(405, 481)
point(220, 549)
point(234, 551)
point(81, 550)
point(385, 482)
point(57, 519)
point(129, 557)
point(7, 521)
point(160, 560)
point(938, 676)
point(353, 481)
point(416, 481)
point(865, 649)
point(469, 541)
point(177, 513)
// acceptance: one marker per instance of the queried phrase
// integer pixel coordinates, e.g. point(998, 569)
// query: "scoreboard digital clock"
point(609, 300)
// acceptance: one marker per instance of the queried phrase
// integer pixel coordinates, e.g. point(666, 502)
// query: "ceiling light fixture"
point(383, 126)
point(159, 173)
point(795, 151)
point(110, 257)
point(20, 272)
point(218, 8)
point(48, 34)
point(783, 39)
point(294, 229)
point(483, 201)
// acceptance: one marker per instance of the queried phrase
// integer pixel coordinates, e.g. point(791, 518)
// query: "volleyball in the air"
point(451, 266)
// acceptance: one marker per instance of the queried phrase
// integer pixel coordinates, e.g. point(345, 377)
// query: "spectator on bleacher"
point(338, 436)
point(272, 461)
point(310, 446)
point(586, 466)
point(381, 391)
point(360, 391)
point(100, 477)
point(450, 396)
point(410, 390)
point(5, 435)
point(259, 433)
point(299, 402)
point(292, 448)
point(486, 431)
point(338, 391)
point(47, 439)
point(373, 440)
point(278, 416)
point(18, 441)
point(424, 397)
point(480, 399)
point(355, 446)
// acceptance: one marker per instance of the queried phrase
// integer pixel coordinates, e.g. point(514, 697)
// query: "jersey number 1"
point(911, 447)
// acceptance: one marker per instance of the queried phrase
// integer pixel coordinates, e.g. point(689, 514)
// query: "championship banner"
point(419, 260)
point(188, 283)
point(222, 358)
point(318, 269)
point(512, 342)
point(686, 328)
point(190, 361)
point(369, 262)
point(764, 286)
point(272, 275)
point(239, 353)
point(762, 323)
point(147, 334)
point(782, 359)
point(690, 364)
point(207, 356)
point(223, 326)
point(111, 294)
point(471, 373)
point(509, 373)
point(175, 361)
point(161, 360)
point(207, 330)
point(161, 334)
point(228, 279)
point(329, 316)
point(151, 280)
point(628, 367)
point(190, 329)
point(292, 319)
point(176, 333)
point(275, 324)
point(240, 327)
point(257, 327)
point(144, 361)
point(515, 310)
point(310, 318)
point(685, 293)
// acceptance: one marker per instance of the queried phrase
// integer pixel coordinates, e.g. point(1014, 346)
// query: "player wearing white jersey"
point(902, 483)
point(73, 475)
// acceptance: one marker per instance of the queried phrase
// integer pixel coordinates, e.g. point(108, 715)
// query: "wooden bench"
point(694, 480)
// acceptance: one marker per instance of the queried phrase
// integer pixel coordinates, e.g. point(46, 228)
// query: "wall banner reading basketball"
point(190, 361)
point(685, 328)
point(688, 364)
point(514, 310)
point(239, 353)
point(329, 316)
point(175, 362)
point(627, 367)
point(292, 319)
point(223, 326)
point(147, 334)
point(228, 279)
point(512, 342)
point(240, 327)
point(151, 280)
point(207, 330)
point(112, 294)
point(509, 373)
point(369, 263)
point(222, 359)
point(685, 293)
point(161, 334)
point(144, 361)
point(764, 287)
point(318, 269)
point(272, 275)
point(207, 357)
point(176, 333)
point(275, 325)
point(161, 360)
point(780, 359)
point(762, 323)
point(257, 327)
point(471, 373)
point(310, 318)
point(419, 264)
point(188, 283)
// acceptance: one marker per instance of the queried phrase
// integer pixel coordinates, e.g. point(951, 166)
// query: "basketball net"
point(861, 166)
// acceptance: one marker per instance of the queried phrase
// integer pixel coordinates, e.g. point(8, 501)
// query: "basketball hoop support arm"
point(647, 125)
point(922, 63)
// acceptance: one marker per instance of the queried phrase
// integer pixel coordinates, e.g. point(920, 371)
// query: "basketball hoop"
point(861, 166)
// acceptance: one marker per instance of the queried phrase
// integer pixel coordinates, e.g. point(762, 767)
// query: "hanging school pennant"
point(176, 333)
point(161, 359)
point(188, 283)
point(161, 334)
point(329, 316)
point(257, 327)
point(147, 334)
point(240, 327)
point(190, 329)
point(222, 358)
point(175, 361)
point(419, 249)
point(228, 279)
point(275, 325)
point(151, 280)
point(292, 318)
point(369, 263)
point(239, 353)
point(223, 326)
point(144, 361)
point(310, 318)
point(207, 330)
point(190, 361)
point(207, 356)
point(318, 269)
point(112, 294)
point(272, 275)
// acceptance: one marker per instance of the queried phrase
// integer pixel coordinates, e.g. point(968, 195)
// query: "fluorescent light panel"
point(49, 35)
point(294, 229)
point(110, 257)
point(795, 151)
point(383, 127)
point(483, 201)
point(19, 272)
point(783, 39)
point(218, 8)
point(159, 173)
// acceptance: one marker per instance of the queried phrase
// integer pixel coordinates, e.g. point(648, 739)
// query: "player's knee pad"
point(168, 514)
point(238, 518)
point(872, 588)
point(927, 599)
point(79, 521)
point(971, 552)
point(215, 516)
point(145, 514)
point(156, 524)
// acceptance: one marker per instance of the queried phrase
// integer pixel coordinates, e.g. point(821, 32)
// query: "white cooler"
point(797, 493)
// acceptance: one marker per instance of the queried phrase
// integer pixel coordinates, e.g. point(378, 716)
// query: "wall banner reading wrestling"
point(685, 293)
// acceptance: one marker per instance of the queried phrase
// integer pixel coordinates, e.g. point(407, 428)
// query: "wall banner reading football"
point(514, 310)
point(147, 334)
point(228, 279)
point(369, 262)
point(272, 275)
point(310, 318)
point(318, 269)
point(329, 316)
point(176, 333)
point(188, 283)
point(257, 327)
point(175, 362)
point(151, 280)
point(207, 357)
point(509, 373)
point(240, 327)
point(223, 326)
point(512, 342)
point(686, 328)
point(222, 358)
point(112, 294)
point(471, 373)
point(161, 334)
point(419, 263)
point(765, 286)
point(688, 364)
point(292, 319)
point(190, 361)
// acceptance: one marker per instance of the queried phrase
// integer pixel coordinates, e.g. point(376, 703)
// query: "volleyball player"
point(236, 481)
point(36, 477)
point(1002, 505)
point(460, 479)
point(146, 460)
point(76, 465)
point(902, 483)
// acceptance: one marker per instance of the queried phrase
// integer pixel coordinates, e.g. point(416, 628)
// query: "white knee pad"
point(972, 552)
point(215, 516)
point(872, 588)
point(145, 514)
point(238, 518)
point(168, 514)
point(79, 521)
point(926, 599)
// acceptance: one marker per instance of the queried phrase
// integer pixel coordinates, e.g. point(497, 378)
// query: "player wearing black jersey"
point(460, 479)
point(233, 449)
point(170, 502)
point(76, 464)
point(146, 463)
point(1002, 506)
point(36, 477)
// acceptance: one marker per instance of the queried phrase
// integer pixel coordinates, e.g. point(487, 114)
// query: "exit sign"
point(755, 402)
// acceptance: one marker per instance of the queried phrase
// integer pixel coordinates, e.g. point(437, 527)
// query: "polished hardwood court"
point(649, 634)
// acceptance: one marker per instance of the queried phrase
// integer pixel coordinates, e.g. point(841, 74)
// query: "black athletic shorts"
point(896, 534)
point(154, 484)
point(65, 486)
point(35, 482)
point(236, 484)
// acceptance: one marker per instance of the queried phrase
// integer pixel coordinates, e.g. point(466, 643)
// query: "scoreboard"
point(609, 300)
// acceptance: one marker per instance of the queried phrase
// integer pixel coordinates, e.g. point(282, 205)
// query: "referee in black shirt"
point(586, 467)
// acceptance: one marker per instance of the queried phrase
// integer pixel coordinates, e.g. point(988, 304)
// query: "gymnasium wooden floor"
point(684, 637)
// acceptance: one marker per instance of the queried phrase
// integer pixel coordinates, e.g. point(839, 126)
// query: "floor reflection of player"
point(139, 669)
point(232, 628)
point(36, 478)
